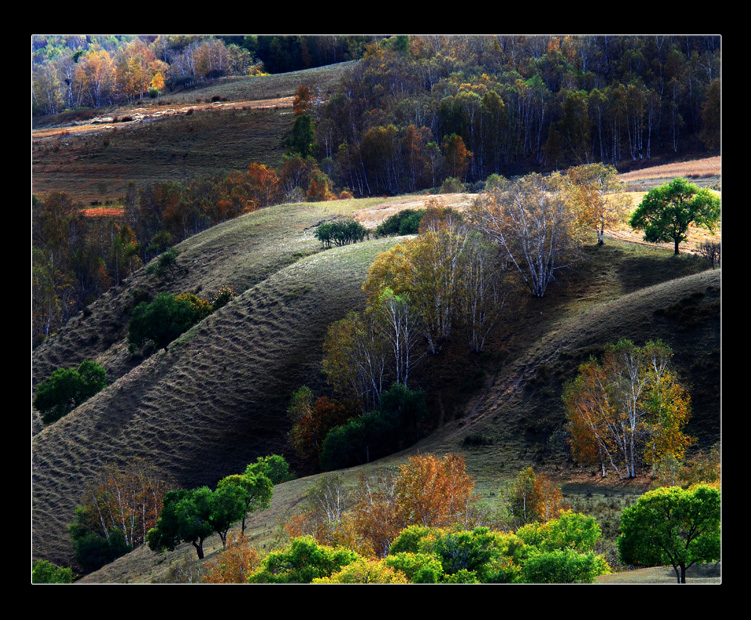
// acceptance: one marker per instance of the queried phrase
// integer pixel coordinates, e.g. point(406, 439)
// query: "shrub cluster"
point(422, 554)
point(340, 233)
point(67, 388)
point(168, 316)
point(405, 222)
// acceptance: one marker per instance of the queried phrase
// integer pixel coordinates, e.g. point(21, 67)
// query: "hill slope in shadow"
point(518, 419)
point(519, 414)
point(216, 399)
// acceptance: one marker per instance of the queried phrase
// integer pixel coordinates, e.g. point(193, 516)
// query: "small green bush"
point(165, 318)
point(67, 388)
point(340, 233)
point(43, 571)
point(405, 222)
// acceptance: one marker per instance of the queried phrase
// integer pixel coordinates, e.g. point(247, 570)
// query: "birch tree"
point(628, 409)
point(400, 324)
point(533, 223)
point(483, 289)
point(355, 359)
point(597, 196)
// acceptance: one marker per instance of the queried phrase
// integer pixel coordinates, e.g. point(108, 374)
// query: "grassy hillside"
point(512, 416)
point(176, 137)
point(216, 399)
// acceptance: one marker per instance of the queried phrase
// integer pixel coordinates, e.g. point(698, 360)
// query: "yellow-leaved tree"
point(627, 409)
point(597, 196)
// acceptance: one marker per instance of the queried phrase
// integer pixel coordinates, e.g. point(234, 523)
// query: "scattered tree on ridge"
point(534, 224)
point(256, 491)
point(598, 196)
point(192, 515)
point(666, 212)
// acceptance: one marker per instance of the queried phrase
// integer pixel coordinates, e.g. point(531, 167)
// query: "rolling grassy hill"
point(216, 399)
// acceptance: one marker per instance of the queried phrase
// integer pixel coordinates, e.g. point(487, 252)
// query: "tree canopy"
point(67, 388)
point(666, 212)
point(671, 525)
point(628, 409)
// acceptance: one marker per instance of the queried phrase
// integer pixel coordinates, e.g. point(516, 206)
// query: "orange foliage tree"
point(627, 409)
point(532, 497)
point(234, 563)
point(427, 490)
point(313, 419)
point(325, 517)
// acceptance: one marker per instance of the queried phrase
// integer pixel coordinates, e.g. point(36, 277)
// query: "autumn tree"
point(702, 467)
point(424, 270)
point(400, 324)
point(598, 196)
point(312, 418)
point(303, 100)
point(484, 288)
point(427, 490)
point(324, 515)
point(671, 525)
point(531, 497)
point(236, 561)
point(667, 212)
point(355, 359)
point(264, 185)
point(627, 409)
point(456, 156)
point(534, 225)
point(117, 509)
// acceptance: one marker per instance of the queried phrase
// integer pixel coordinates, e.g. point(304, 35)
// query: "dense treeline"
point(417, 110)
point(76, 71)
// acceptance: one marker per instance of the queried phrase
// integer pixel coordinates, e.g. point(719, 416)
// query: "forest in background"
point(74, 71)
